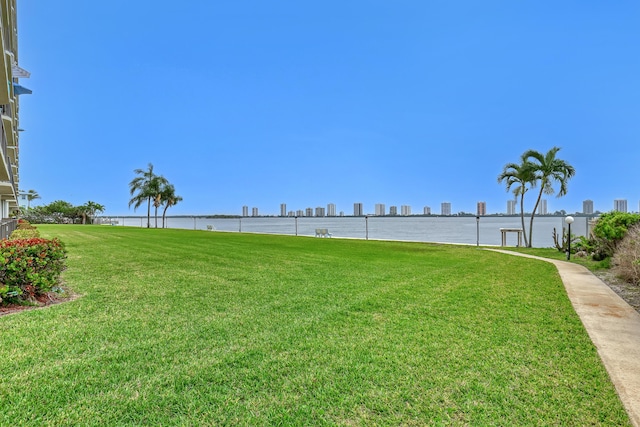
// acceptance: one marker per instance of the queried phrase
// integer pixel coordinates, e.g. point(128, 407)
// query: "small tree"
point(31, 196)
point(89, 211)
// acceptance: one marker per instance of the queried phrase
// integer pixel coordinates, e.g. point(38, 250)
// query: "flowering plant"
point(29, 267)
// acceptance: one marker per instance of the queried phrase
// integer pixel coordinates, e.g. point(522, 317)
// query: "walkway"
point(613, 326)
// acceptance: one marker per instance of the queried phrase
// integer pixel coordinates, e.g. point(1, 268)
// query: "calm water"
point(463, 230)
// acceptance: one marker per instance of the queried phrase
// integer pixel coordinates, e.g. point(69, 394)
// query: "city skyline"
point(446, 209)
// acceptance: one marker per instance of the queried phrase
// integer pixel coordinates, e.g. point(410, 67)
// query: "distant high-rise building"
point(542, 207)
point(393, 210)
point(620, 205)
point(427, 210)
point(299, 212)
point(405, 210)
point(482, 208)
point(308, 212)
point(357, 209)
point(283, 209)
point(445, 208)
point(320, 211)
point(291, 213)
point(245, 211)
point(587, 207)
point(511, 207)
point(254, 211)
point(380, 209)
point(331, 209)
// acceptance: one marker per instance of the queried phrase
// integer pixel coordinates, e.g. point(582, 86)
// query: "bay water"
point(449, 229)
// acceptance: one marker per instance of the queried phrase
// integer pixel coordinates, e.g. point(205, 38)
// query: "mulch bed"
point(40, 301)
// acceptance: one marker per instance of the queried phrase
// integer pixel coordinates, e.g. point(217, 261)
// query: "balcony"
point(6, 112)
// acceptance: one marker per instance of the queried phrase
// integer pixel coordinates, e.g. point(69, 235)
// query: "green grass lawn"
point(179, 327)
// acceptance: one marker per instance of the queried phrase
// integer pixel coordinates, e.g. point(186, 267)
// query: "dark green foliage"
point(609, 231)
point(29, 268)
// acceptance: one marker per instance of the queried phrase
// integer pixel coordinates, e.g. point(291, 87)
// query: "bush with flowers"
point(29, 268)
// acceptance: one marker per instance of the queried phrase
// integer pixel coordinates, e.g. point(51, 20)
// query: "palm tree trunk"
point(164, 213)
point(533, 214)
point(149, 212)
point(524, 230)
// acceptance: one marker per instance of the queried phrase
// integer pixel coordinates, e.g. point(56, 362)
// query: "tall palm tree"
point(549, 170)
point(168, 198)
point(145, 187)
point(31, 195)
point(519, 178)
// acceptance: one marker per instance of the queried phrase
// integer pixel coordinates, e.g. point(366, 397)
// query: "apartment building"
point(620, 205)
point(10, 72)
point(481, 208)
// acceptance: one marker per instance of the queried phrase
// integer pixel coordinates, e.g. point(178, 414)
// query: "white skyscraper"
point(331, 209)
point(542, 207)
point(620, 205)
point(357, 209)
point(254, 211)
point(427, 210)
point(405, 210)
point(511, 207)
point(283, 209)
point(587, 207)
point(445, 208)
point(245, 211)
point(380, 209)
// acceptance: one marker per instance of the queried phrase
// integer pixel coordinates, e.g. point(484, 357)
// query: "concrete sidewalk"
point(612, 324)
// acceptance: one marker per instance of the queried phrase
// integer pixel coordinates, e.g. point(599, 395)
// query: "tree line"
point(149, 188)
point(536, 170)
point(60, 212)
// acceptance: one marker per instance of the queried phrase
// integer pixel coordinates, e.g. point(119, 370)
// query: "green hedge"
point(29, 268)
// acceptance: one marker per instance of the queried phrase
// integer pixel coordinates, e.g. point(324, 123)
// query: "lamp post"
point(569, 221)
point(296, 225)
point(239, 225)
point(366, 225)
point(477, 230)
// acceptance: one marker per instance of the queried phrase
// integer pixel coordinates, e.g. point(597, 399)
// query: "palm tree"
point(91, 208)
point(168, 198)
point(145, 187)
point(31, 195)
point(548, 170)
point(522, 178)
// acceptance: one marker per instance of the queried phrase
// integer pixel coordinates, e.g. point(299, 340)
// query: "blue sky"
point(307, 103)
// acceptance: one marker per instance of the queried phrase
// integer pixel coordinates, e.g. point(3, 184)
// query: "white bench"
point(322, 232)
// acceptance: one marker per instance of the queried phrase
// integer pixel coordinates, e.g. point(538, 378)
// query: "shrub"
point(626, 260)
point(29, 268)
point(609, 230)
point(24, 225)
point(24, 233)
